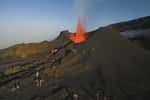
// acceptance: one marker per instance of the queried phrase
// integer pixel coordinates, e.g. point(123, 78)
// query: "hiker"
point(53, 51)
point(75, 96)
point(37, 74)
point(38, 80)
point(15, 86)
point(97, 96)
point(105, 98)
point(100, 95)
point(69, 97)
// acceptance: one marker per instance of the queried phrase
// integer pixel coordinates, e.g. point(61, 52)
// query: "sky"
point(25, 21)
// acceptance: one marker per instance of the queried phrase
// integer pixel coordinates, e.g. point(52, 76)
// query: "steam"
point(86, 10)
point(81, 7)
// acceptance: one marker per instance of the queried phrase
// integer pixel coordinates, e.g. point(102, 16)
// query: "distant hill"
point(139, 23)
point(24, 50)
point(30, 49)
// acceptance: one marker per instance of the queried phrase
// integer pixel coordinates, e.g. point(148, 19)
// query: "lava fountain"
point(80, 35)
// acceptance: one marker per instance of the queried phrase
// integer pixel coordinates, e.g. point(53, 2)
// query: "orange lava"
point(80, 35)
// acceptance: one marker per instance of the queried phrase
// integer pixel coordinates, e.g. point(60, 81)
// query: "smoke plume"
point(87, 10)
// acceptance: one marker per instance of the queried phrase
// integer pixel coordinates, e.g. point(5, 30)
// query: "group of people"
point(72, 97)
point(100, 96)
point(59, 54)
point(75, 96)
point(38, 82)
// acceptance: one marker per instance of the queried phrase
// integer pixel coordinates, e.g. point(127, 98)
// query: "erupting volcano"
point(80, 35)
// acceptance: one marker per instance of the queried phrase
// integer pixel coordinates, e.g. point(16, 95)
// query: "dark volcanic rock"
point(106, 63)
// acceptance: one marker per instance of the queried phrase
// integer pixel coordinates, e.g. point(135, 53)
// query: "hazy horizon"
point(25, 21)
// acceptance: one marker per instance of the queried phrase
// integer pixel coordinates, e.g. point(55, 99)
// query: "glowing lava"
point(80, 35)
